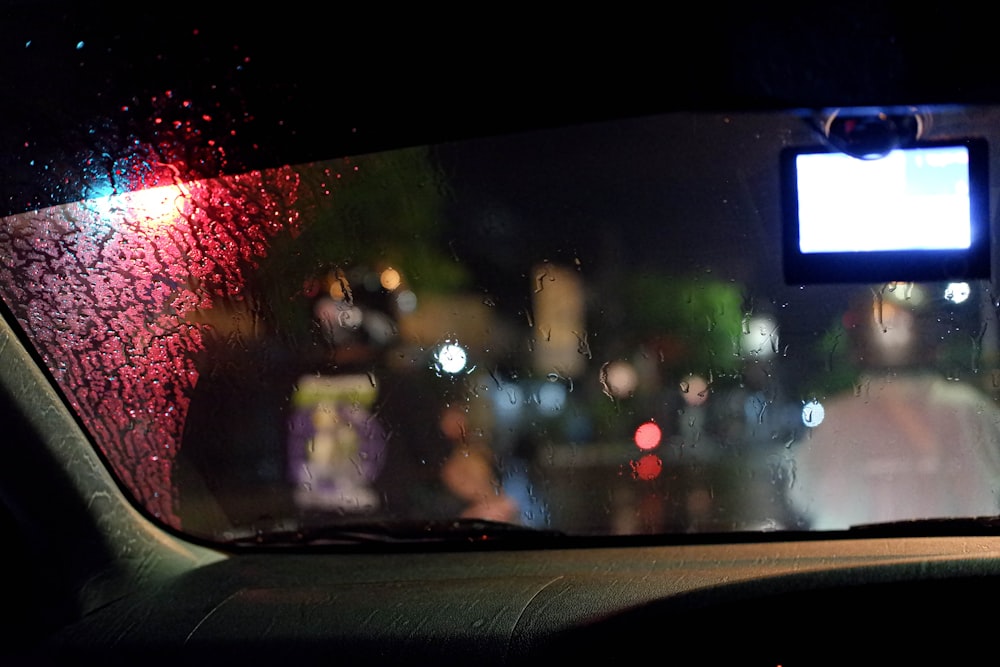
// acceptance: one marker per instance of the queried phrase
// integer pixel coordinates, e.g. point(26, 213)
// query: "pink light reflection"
point(104, 289)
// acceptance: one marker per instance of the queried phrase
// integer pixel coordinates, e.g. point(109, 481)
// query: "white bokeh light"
point(813, 414)
point(760, 337)
point(957, 292)
point(451, 358)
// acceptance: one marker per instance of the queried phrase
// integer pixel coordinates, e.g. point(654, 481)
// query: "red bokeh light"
point(647, 436)
point(648, 467)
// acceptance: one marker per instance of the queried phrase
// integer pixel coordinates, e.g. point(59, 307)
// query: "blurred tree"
point(377, 211)
point(695, 323)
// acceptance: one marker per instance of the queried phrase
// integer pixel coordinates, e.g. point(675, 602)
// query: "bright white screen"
point(913, 199)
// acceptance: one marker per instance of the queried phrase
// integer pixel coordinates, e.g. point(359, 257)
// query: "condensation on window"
point(105, 289)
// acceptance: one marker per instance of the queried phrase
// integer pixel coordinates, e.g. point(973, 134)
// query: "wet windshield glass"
point(585, 329)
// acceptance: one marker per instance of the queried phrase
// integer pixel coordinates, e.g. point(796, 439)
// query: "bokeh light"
point(647, 436)
point(694, 390)
point(648, 467)
point(760, 337)
point(406, 301)
point(621, 378)
point(957, 292)
point(813, 414)
point(451, 358)
point(390, 279)
point(147, 209)
point(551, 397)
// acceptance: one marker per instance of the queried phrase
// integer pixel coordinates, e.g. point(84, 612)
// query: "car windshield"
point(587, 329)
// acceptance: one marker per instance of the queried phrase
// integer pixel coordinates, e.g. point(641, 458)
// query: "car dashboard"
point(138, 593)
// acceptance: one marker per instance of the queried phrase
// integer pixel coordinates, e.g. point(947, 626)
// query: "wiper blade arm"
point(401, 532)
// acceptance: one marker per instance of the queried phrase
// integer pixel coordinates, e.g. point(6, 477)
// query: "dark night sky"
point(310, 83)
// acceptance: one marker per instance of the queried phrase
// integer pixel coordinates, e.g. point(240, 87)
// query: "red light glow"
point(647, 436)
point(647, 468)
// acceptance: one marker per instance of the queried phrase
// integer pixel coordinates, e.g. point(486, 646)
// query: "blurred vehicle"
point(320, 344)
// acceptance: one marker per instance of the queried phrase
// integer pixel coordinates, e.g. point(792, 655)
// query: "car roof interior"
point(93, 579)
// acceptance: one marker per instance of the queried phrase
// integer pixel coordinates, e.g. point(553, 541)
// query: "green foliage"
point(837, 369)
point(375, 211)
point(697, 321)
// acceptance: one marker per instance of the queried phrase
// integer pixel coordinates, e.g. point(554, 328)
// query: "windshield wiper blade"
point(401, 532)
point(936, 527)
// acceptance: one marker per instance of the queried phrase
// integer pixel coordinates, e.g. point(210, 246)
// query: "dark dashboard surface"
point(783, 603)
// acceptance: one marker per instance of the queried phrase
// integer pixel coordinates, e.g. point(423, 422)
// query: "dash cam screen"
point(919, 213)
point(913, 199)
